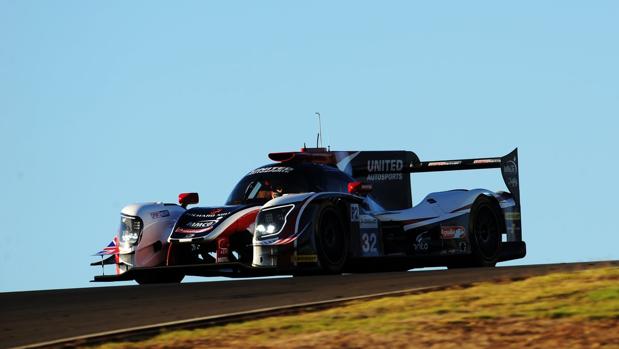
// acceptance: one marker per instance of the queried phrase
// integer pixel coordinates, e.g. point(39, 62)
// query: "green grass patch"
point(585, 295)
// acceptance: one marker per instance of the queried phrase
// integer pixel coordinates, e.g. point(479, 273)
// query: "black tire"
point(331, 239)
point(159, 278)
point(486, 226)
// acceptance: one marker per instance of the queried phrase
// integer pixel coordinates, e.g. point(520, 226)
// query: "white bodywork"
point(436, 207)
point(158, 219)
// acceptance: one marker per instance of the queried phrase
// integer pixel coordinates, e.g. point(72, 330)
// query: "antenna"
point(319, 136)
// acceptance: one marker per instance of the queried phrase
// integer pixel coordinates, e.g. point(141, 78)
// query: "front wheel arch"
point(331, 237)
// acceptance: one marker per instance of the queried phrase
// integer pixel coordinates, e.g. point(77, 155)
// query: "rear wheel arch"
point(486, 227)
point(497, 206)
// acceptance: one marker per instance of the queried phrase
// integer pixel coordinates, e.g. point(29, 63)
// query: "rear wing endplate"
point(508, 165)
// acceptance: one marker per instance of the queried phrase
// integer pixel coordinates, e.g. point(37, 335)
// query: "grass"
point(578, 301)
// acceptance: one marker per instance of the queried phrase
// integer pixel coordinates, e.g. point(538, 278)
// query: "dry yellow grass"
point(564, 310)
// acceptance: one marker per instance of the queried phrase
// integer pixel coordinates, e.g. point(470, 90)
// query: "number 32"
point(368, 242)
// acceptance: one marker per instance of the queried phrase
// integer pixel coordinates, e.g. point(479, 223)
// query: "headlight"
point(130, 228)
point(271, 221)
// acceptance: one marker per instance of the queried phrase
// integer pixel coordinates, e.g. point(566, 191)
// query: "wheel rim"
point(487, 232)
point(331, 238)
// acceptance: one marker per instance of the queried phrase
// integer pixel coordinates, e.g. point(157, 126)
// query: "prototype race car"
point(324, 211)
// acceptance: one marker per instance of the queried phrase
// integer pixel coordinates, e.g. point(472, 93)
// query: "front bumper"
point(279, 257)
point(284, 258)
point(232, 269)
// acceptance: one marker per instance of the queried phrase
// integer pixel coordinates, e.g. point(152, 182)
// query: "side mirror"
point(188, 199)
point(359, 188)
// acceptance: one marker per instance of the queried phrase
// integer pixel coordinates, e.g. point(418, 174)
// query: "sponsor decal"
point(510, 167)
point(198, 227)
point(385, 165)
point(422, 242)
point(160, 214)
point(510, 172)
point(512, 182)
point(222, 250)
point(452, 232)
point(354, 213)
point(275, 169)
point(384, 170)
point(376, 177)
point(216, 211)
point(306, 258)
point(367, 222)
point(444, 163)
point(191, 231)
point(486, 161)
point(201, 225)
point(512, 216)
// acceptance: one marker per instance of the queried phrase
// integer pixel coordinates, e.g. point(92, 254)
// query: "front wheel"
point(330, 239)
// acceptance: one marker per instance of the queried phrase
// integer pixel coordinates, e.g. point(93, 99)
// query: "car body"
point(318, 210)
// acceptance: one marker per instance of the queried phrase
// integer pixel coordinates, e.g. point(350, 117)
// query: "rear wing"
point(508, 165)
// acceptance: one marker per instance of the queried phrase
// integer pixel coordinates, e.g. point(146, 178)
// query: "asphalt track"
point(38, 316)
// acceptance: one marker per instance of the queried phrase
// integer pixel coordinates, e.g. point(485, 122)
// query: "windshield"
point(266, 183)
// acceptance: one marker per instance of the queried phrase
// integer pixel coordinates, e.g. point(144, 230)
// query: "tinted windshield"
point(266, 183)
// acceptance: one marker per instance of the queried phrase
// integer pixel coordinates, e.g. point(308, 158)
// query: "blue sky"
point(108, 103)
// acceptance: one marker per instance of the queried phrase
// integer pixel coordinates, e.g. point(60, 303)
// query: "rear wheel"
point(486, 227)
point(331, 239)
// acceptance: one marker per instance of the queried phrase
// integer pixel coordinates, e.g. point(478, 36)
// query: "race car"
point(318, 210)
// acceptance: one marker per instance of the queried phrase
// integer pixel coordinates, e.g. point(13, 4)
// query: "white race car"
point(323, 211)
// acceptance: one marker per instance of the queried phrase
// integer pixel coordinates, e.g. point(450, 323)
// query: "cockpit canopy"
point(270, 181)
